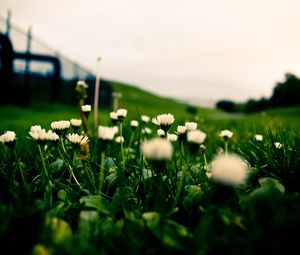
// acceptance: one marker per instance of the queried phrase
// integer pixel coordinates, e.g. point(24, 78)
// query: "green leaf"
point(271, 184)
point(109, 163)
point(169, 232)
point(111, 179)
point(56, 165)
point(193, 195)
point(268, 187)
point(62, 195)
point(152, 219)
point(97, 202)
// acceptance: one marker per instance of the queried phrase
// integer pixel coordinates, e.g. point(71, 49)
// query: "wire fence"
point(21, 39)
point(34, 80)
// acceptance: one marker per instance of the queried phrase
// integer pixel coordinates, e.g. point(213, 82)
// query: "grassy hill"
point(135, 100)
point(138, 102)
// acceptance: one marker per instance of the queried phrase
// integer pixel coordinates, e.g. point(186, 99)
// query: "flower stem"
point(48, 190)
point(44, 166)
point(22, 174)
point(226, 148)
point(122, 147)
point(180, 187)
point(68, 164)
point(101, 176)
point(205, 161)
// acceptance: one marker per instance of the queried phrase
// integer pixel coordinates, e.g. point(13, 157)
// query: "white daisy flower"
point(278, 145)
point(38, 133)
point(52, 136)
point(113, 115)
point(258, 138)
point(226, 134)
point(165, 119)
point(203, 148)
point(86, 108)
point(161, 132)
point(122, 113)
point(145, 118)
point(147, 131)
point(196, 136)
point(181, 130)
point(8, 137)
point(77, 139)
point(107, 133)
point(134, 123)
point(229, 169)
point(76, 122)
point(82, 84)
point(60, 125)
point(35, 128)
point(157, 149)
point(191, 126)
point(172, 137)
point(119, 139)
point(154, 121)
point(115, 129)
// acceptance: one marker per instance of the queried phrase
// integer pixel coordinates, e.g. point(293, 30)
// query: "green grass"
point(135, 100)
point(139, 102)
point(105, 198)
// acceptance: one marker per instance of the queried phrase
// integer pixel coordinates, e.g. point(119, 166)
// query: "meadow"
point(151, 179)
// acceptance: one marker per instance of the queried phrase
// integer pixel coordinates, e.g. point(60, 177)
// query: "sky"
point(197, 50)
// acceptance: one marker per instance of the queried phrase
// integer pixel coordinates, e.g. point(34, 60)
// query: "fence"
point(37, 76)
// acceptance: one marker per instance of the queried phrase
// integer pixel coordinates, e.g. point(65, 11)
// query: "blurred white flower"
point(226, 134)
point(76, 122)
point(165, 119)
point(160, 132)
point(86, 108)
point(278, 145)
point(203, 148)
point(154, 121)
point(8, 137)
point(82, 84)
point(119, 139)
point(196, 136)
point(37, 133)
point(52, 136)
point(145, 118)
point(60, 125)
point(115, 129)
point(157, 149)
point(113, 115)
point(191, 126)
point(181, 130)
point(147, 131)
point(134, 123)
point(107, 133)
point(172, 137)
point(35, 128)
point(77, 139)
point(229, 169)
point(122, 113)
point(258, 138)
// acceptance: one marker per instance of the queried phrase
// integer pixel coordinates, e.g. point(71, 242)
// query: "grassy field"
point(202, 194)
point(139, 102)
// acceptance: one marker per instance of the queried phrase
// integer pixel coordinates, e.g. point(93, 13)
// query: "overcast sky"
point(211, 49)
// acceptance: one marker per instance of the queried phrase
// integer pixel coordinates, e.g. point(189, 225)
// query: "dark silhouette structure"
point(8, 56)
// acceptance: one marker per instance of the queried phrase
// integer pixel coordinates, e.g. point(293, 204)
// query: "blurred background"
point(239, 57)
